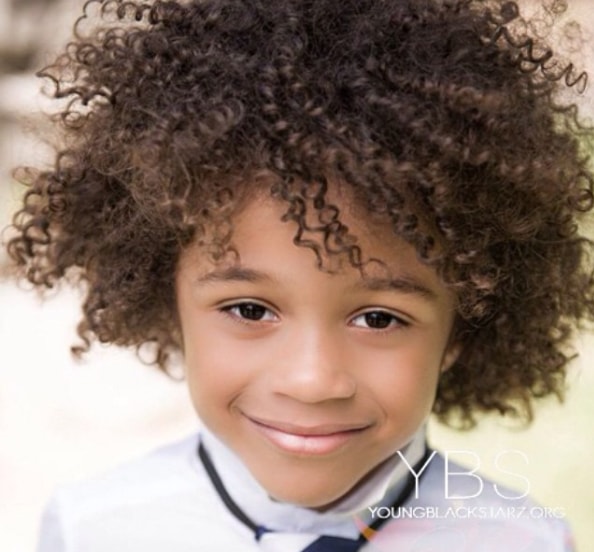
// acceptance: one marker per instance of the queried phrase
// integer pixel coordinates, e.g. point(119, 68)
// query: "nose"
point(313, 367)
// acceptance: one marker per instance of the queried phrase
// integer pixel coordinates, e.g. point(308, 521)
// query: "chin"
point(313, 501)
point(312, 497)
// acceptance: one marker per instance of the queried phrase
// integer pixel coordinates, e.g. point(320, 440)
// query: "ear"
point(450, 356)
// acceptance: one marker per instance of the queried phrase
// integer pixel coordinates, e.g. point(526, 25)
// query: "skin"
point(313, 379)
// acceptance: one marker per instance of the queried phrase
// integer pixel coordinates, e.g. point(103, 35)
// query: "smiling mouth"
point(314, 440)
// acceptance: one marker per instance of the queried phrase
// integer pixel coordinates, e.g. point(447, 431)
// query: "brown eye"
point(377, 320)
point(250, 311)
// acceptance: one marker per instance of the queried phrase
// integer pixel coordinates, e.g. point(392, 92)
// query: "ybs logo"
point(441, 519)
point(466, 482)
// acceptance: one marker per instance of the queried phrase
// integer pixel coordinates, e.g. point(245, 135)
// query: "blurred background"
point(61, 420)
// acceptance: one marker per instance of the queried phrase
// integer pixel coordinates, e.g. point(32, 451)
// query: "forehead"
point(272, 241)
point(333, 222)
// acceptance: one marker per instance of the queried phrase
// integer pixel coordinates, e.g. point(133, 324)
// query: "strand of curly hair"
point(442, 118)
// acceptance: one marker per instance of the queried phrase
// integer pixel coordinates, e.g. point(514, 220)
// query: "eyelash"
point(228, 310)
point(395, 322)
point(233, 311)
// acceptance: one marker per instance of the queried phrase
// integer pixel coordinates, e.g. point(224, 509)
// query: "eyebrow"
point(233, 274)
point(404, 284)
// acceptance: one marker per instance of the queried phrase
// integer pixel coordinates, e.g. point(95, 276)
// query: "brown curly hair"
point(442, 117)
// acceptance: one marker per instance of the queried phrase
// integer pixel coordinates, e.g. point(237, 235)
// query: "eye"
point(250, 311)
point(377, 320)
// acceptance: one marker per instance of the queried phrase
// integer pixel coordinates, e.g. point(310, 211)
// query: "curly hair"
point(442, 117)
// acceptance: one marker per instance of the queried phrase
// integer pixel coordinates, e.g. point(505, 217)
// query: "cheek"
point(404, 380)
point(215, 370)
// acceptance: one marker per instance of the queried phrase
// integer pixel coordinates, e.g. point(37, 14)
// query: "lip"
point(310, 440)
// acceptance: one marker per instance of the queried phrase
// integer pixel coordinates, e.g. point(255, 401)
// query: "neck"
point(369, 481)
point(379, 486)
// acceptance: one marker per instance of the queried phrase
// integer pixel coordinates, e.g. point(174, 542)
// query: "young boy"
point(345, 215)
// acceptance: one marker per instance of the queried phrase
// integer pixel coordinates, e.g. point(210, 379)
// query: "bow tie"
point(324, 543)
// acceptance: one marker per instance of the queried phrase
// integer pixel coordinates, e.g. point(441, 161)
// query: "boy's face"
point(312, 379)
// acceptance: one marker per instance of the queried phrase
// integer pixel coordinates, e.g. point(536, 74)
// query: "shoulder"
point(161, 472)
point(458, 505)
point(148, 503)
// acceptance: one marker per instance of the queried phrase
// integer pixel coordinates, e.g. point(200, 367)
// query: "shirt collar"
point(378, 490)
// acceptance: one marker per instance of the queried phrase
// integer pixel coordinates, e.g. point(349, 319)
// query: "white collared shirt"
point(165, 501)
